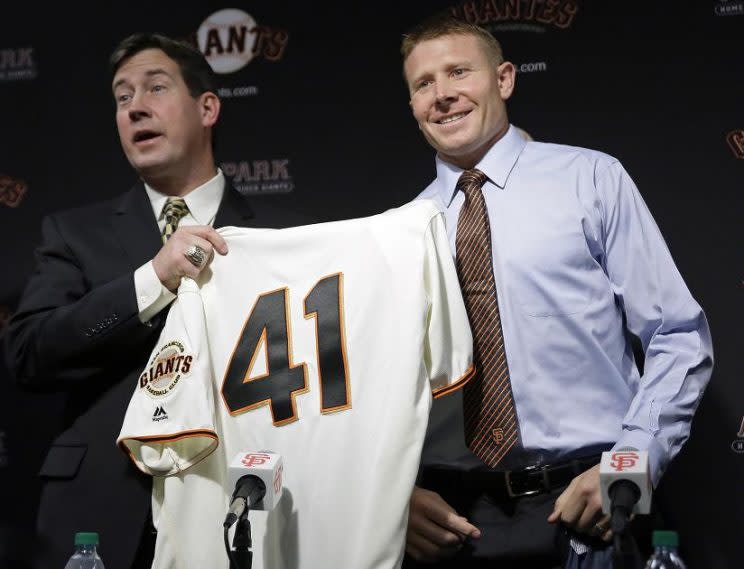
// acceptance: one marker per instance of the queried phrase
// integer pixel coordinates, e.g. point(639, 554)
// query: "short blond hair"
point(444, 24)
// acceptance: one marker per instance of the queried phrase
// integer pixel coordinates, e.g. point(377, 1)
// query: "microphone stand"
point(252, 490)
point(242, 556)
point(625, 553)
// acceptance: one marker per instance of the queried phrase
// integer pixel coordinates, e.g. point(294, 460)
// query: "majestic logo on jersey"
point(169, 364)
point(160, 414)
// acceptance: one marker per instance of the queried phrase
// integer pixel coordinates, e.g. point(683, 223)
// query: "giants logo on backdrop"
point(728, 8)
point(735, 140)
point(230, 39)
point(169, 364)
point(17, 64)
point(260, 176)
point(738, 445)
point(12, 190)
point(519, 15)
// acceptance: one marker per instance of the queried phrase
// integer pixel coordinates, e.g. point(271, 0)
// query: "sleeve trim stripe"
point(172, 438)
point(442, 391)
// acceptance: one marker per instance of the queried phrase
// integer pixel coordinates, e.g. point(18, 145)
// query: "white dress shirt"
point(203, 202)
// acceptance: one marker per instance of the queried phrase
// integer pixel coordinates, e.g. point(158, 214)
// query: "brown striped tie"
point(491, 427)
point(173, 211)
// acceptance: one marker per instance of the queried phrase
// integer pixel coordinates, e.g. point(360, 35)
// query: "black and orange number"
point(268, 326)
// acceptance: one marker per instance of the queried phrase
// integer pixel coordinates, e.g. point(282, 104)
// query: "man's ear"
point(507, 76)
point(210, 108)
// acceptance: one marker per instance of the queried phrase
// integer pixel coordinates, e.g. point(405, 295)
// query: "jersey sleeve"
point(169, 424)
point(448, 352)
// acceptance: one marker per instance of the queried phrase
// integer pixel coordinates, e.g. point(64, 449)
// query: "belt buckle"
point(519, 494)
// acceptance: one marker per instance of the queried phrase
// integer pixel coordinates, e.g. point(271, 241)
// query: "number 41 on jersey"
point(268, 326)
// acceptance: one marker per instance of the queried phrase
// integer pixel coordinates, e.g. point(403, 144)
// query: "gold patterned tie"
point(491, 427)
point(173, 211)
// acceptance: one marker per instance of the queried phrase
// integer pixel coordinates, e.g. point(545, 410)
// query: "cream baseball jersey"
point(323, 343)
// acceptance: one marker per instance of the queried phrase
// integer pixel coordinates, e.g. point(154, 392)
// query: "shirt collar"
point(497, 164)
point(203, 201)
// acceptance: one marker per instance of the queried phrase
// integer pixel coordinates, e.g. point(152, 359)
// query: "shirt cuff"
point(657, 458)
point(152, 296)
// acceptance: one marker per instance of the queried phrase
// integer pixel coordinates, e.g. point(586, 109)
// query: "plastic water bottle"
point(665, 554)
point(86, 555)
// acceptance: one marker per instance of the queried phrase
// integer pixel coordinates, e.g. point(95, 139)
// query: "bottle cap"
point(86, 538)
point(665, 539)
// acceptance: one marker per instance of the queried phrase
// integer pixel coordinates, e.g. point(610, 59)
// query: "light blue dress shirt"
point(574, 249)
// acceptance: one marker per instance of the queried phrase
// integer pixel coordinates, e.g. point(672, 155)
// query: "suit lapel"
point(135, 225)
point(234, 210)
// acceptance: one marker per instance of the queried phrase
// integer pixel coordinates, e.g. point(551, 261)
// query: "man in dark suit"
point(104, 279)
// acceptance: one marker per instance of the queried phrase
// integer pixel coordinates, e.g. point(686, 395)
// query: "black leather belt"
point(509, 484)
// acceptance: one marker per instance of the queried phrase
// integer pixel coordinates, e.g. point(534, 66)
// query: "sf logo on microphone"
point(622, 460)
point(255, 459)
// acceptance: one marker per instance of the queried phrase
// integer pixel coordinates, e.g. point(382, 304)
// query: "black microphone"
point(626, 486)
point(249, 491)
point(625, 483)
point(256, 477)
point(624, 494)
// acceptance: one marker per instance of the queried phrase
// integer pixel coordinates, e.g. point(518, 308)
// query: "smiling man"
point(560, 262)
point(105, 276)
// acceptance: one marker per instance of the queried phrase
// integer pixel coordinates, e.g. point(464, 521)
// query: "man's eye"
point(458, 71)
point(123, 98)
point(423, 84)
point(158, 88)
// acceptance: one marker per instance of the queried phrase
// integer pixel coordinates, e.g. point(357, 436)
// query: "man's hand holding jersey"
point(172, 261)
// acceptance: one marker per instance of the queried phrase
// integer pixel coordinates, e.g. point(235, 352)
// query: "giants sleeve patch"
point(167, 367)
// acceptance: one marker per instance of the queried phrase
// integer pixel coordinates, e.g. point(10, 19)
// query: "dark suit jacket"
point(77, 330)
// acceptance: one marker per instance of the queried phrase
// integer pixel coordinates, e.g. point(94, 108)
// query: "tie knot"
point(471, 181)
point(175, 209)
